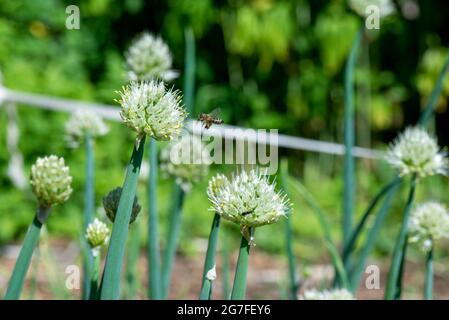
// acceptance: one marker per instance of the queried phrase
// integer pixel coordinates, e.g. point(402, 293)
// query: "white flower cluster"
point(187, 160)
point(149, 58)
point(248, 199)
point(148, 108)
point(416, 152)
point(97, 234)
point(386, 7)
point(428, 222)
point(51, 181)
point(83, 123)
point(335, 294)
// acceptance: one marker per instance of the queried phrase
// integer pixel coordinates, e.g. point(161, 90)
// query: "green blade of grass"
point(154, 271)
point(206, 284)
point(17, 280)
point(349, 163)
point(116, 251)
point(394, 281)
point(89, 205)
point(293, 275)
point(373, 233)
point(172, 238)
point(428, 282)
point(241, 271)
point(189, 71)
point(325, 227)
point(386, 190)
point(429, 108)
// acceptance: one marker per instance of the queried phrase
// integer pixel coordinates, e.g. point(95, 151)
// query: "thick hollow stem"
point(17, 280)
point(172, 239)
point(206, 286)
point(89, 205)
point(239, 287)
point(225, 265)
point(394, 281)
point(95, 272)
point(154, 276)
point(371, 239)
point(428, 282)
point(116, 251)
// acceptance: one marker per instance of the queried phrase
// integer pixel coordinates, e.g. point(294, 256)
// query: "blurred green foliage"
point(265, 63)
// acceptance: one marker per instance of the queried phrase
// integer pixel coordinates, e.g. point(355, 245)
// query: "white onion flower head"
point(83, 123)
point(148, 108)
point(429, 222)
point(249, 199)
point(187, 160)
point(97, 234)
point(416, 152)
point(149, 58)
point(51, 181)
point(335, 294)
point(363, 7)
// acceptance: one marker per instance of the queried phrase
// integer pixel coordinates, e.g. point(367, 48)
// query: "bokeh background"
point(266, 64)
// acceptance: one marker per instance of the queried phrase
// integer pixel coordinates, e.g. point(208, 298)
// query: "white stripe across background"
point(112, 113)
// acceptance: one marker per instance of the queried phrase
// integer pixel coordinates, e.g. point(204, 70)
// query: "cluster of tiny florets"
point(149, 108)
point(97, 234)
point(417, 152)
point(83, 123)
point(429, 222)
point(187, 160)
point(51, 181)
point(149, 58)
point(249, 199)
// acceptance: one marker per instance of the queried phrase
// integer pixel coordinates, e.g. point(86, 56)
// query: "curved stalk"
point(371, 239)
point(154, 275)
point(209, 264)
point(116, 251)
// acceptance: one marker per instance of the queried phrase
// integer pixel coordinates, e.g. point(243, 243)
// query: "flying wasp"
point(210, 118)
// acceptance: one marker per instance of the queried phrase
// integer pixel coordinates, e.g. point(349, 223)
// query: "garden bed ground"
point(267, 275)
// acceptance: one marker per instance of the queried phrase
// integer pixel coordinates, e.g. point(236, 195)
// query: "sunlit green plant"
point(414, 153)
point(149, 109)
point(97, 235)
point(51, 184)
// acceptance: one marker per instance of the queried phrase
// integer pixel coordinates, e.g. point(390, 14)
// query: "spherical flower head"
point(187, 160)
point(51, 181)
point(97, 234)
point(149, 58)
point(416, 152)
point(150, 109)
point(83, 123)
point(429, 222)
point(362, 7)
point(111, 202)
point(249, 199)
point(335, 294)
